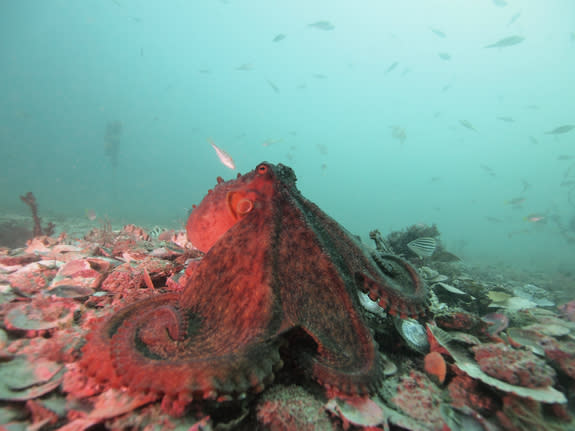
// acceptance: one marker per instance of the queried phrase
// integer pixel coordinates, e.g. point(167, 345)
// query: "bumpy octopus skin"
point(274, 263)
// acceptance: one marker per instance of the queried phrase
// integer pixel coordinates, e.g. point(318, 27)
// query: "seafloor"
point(498, 351)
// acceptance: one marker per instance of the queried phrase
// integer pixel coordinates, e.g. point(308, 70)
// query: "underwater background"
point(391, 113)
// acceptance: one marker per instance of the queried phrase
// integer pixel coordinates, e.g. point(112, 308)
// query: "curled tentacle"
point(399, 290)
point(157, 347)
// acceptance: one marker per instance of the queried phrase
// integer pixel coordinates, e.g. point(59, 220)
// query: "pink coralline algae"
point(562, 353)
point(419, 398)
point(517, 367)
point(467, 392)
point(287, 408)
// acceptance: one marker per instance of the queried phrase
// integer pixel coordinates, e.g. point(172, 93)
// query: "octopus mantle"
point(274, 265)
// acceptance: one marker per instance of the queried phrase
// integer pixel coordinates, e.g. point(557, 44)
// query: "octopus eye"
point(262, 169)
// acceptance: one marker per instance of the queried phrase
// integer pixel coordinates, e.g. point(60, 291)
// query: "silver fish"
point(438, 32)
point(467, 125)
point(561, 129)
point(506, 41)
point(224, 157)
point(423, 247)
point(444, 56)
point(390, 68)
point(322, 25)
point(279, 37)
point(245, 67)
point(514, 18)
point(273, 86)
point(506, 119)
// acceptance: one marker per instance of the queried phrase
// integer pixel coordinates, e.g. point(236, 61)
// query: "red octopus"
point(274, 264)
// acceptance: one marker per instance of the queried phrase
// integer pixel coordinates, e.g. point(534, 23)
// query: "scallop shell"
point(413, 333)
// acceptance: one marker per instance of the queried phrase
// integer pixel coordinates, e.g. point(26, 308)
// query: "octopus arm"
point(394, 285)
point(215, 340)
point(387, 279)
point(318, 295)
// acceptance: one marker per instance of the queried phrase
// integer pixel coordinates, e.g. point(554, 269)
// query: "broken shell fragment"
point(371, 306)
point(362, 412)
point(389, 367)
point(450, 288)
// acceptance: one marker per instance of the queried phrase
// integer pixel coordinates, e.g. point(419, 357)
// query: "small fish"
point(245, 67)
point(423, 247)
point(438, 33)
point(467, 125)
point(269, 142)
point(166, 235)
point(444, 56)
point(398, 133)
point(567, 183)
point(565, 157)
point(535, 218)
point(533, 140)
point(273, 86)
point(391, 67)
point(515, 201)
point(500, 3)
point(561, 129)
point(91, 214)
point(279, 37)
point(493, 219)
point(506, 119)
point(156, 231)
point(224, 157)
point(514, 18)
point(319, 76)
point(322, 25)
point(526, 186)
point(488, 169)
point(506, 41)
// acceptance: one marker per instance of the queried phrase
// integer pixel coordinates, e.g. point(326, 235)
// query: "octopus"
point(277, 271)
